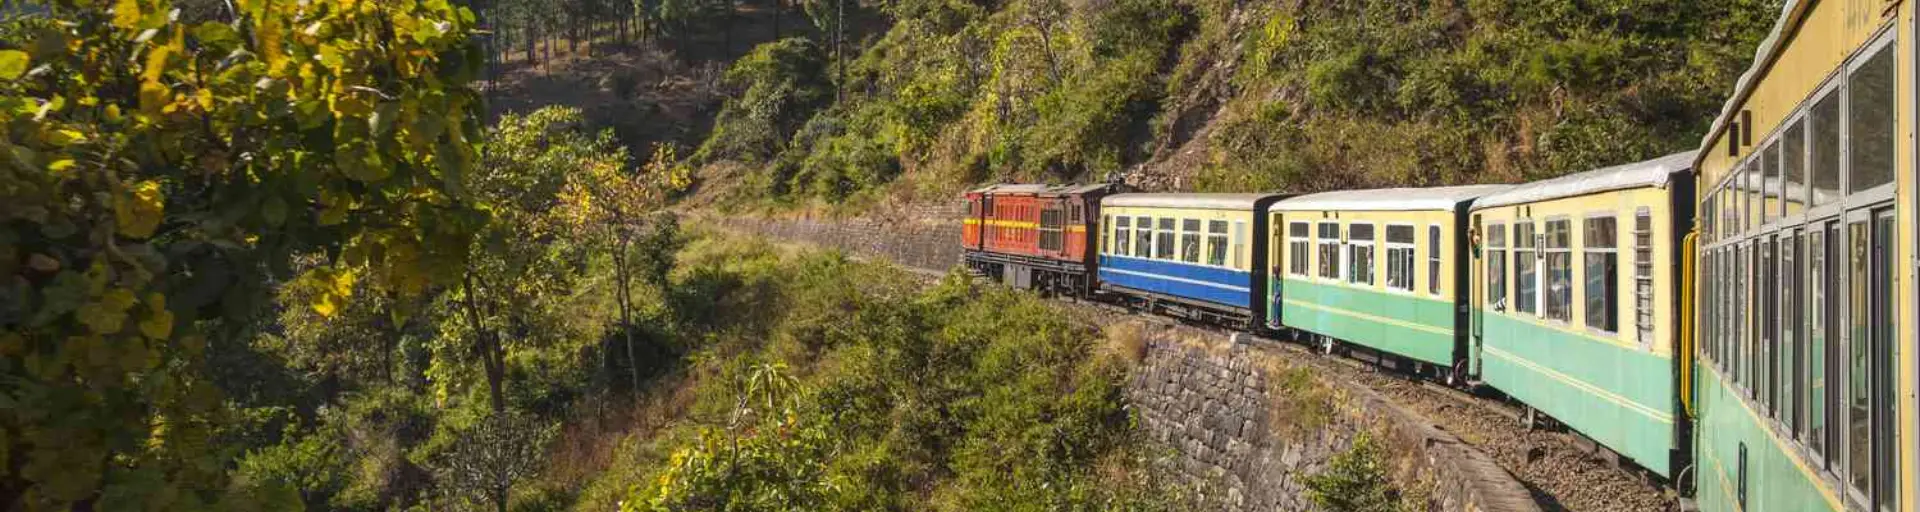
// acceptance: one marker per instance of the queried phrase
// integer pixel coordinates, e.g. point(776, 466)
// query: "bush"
point(1357, 480)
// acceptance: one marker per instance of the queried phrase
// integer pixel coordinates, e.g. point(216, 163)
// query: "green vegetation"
point(855, 390)
point(1267, 95)
point(1359, 480)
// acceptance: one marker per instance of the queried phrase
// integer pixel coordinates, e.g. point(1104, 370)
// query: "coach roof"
point(1651, 173)
point(1034, 188)
point(1389, 199)
point(1196, 201)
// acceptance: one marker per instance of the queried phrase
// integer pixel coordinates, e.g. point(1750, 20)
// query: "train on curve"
point(1738, 320)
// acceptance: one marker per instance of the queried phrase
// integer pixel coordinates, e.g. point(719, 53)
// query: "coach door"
point(1477, 298)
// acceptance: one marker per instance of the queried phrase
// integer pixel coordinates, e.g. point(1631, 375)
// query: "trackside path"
point(1555, 470)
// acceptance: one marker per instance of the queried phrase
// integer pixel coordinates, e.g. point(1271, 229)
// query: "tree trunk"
point(489, 347)
point(839, 55)
point(623, 273)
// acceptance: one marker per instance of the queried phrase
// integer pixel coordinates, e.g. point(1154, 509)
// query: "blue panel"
point(1185, 280)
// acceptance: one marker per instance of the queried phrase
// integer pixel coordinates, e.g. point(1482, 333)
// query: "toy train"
point(1737, 320)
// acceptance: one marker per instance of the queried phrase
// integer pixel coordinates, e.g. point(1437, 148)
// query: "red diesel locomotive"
point(1035, 236)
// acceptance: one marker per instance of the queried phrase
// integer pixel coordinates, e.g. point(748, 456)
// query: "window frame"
point(1531, 246)
point(1503, 274)
point(1613, 285)
point(1372, 253)
point(1436, 259)
point(1299, 255)
point(1329, 269)
point(1413, 256)
point(1546, 252)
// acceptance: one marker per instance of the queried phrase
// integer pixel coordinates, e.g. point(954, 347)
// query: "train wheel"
point(1530, 419)
point(1326, 345)
point(1456, 376)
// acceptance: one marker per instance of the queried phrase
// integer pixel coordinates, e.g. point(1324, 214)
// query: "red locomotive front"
point(1034, 236)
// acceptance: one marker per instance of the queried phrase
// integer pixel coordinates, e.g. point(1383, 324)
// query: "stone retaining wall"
point(1223, 413)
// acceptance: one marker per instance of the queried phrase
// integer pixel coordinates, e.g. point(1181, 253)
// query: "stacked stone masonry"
point(1210, 409)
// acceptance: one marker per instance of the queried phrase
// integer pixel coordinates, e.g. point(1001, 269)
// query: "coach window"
point(1526, 269)
point(1770, 183)
point(1329, 255)
point(1497, 266)
point(1767, 304)
point(1756, 202)
point(1400, 246)
point(1163, 248)
point(1559, 271)
point(1298, 244)
point(1793, 169)
point(1825, 149)
point(1601, 254)
point(1360, 252)
point(1217, 243)
point(1433, 260)
point(1643, 297)
point(1792, 333)
point(1871, 110)
point(1239, 243)
point(1143, 237)
point(1190, 240)
point(1122, 236)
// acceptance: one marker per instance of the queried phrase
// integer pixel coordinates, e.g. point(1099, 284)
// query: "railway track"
point(1562, 470)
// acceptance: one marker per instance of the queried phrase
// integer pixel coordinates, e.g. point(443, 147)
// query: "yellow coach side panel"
point(1623, 206)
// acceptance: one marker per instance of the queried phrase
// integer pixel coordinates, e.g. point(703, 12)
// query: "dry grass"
point(588, 442)
point(1299, 402)
point(1127, 340)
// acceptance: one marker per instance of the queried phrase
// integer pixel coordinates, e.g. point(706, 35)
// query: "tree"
point(609, 205)
point(501, 449)
point(161, 174)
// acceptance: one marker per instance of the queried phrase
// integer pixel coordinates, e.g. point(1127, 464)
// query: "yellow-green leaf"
point(13, 63)
point(126, 14)
point(138, 213)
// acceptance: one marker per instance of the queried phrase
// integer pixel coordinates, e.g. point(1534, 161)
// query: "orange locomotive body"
point(1035, 236)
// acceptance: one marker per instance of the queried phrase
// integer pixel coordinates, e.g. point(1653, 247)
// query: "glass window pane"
point(1433, 260)
point(1600, 273)
point(1559, 271)
point(1526, 269)
point(1825, 150)
point(1163, 240)
point(1143, 238)
point(1770, 183)
point(1818, 286)
point(1871, 111)
point(1793, 165)
point(1859, 407)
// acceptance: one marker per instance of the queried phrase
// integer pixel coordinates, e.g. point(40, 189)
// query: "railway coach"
point(1575, 290)
point(1805, 387)
point(1034, 236)
point(1195, 256)
point(1380, 269)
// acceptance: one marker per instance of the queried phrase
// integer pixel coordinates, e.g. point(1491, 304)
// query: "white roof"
point(1651, 173)
point(1199, 201)
point(1790, 14)
point(1389, 199)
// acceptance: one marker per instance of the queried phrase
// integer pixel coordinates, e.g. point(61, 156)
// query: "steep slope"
point(1230, 95)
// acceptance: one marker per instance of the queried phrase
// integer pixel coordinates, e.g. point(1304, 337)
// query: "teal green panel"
point(1778, 477)
point(1619, 396)
point(1407, 325)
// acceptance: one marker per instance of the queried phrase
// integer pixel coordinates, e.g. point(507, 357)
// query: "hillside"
point(1214, 95)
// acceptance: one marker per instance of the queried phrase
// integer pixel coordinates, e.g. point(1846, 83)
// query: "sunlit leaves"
point(158, 174)
point(12, 64)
